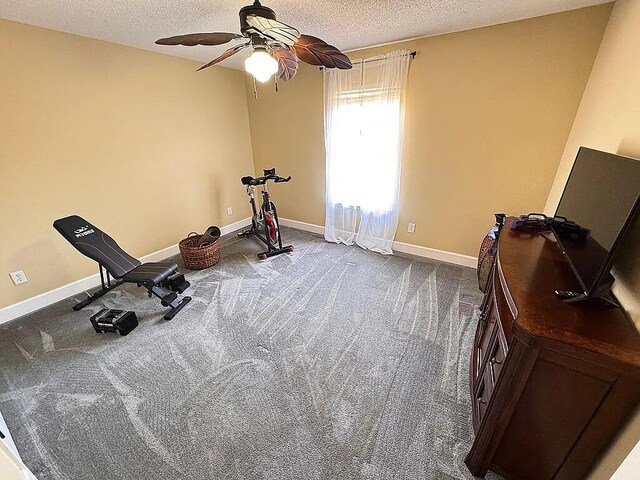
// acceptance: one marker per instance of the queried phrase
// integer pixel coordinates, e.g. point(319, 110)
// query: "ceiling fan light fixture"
point(261, 65)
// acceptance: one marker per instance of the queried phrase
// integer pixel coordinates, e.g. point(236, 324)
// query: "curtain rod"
point(410, 54)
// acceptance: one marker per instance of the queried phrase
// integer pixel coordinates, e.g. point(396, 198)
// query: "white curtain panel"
point(364, 115)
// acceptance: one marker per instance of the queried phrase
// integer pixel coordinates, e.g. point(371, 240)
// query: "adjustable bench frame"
point(106, 286)
point(159, 291)
point(116, 267)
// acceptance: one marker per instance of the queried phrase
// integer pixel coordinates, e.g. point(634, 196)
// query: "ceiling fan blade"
point(274, 29)
point(287, 62)
point(224, 56)
point(317, 52)
point(192, 39)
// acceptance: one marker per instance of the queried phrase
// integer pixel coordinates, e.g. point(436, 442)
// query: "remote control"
point(568, 295)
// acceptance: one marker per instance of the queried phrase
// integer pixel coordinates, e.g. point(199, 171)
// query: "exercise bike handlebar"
point(282, 179)
point(264, 180)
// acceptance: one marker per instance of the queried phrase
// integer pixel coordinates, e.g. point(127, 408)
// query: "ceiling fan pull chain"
point(276, 82)
point(255, 89)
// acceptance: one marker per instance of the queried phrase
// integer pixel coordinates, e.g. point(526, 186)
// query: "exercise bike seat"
point(151, 273)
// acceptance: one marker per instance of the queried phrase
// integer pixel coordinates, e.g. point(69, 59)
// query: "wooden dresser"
point(551, 382)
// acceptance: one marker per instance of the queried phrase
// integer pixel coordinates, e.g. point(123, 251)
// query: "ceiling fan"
point(277, 47)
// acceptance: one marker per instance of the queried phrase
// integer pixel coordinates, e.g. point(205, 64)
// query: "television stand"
point(552, 382)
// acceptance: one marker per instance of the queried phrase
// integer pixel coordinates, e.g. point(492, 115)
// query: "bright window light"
point(364, 153)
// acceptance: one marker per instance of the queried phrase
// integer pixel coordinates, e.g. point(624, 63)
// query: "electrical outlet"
point(229, 211)
point(18, 277)
point(411, 228)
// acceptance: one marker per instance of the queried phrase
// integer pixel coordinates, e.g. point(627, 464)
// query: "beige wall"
point(488, 115)
point(609, 119)
point(137, 142)
point(287, 133)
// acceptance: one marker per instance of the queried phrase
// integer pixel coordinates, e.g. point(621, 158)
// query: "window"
point(365, 162)
point(363, 135)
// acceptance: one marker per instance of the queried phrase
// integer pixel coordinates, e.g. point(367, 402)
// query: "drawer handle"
point(493, 361)
point(480, 400)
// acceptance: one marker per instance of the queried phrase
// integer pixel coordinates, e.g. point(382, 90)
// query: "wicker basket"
point(195, 257)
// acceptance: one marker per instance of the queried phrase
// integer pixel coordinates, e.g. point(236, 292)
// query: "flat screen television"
point(600, 202)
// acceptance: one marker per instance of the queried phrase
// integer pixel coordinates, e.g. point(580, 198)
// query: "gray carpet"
point(331, 363)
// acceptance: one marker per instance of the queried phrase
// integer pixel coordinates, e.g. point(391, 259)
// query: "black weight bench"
point(161, 280)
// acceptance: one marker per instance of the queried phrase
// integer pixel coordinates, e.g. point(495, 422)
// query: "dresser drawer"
point(486, 334)
point(504, 304)
point(481, 400)
point(496, 357)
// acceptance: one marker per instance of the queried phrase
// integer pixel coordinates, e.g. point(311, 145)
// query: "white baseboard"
point(32, 304)
point(434, 254)
point(425, 252)
point(235, 226)
point(307, 227)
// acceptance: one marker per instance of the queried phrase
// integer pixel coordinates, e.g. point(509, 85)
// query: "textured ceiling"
point(346, 24)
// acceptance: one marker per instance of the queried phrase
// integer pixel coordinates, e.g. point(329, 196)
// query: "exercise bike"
point(264, 223)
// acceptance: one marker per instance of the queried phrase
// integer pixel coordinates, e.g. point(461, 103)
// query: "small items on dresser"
point(539, 222)
point(532, 222)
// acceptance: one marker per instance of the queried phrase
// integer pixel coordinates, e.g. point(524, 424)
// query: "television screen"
point(599, 202)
